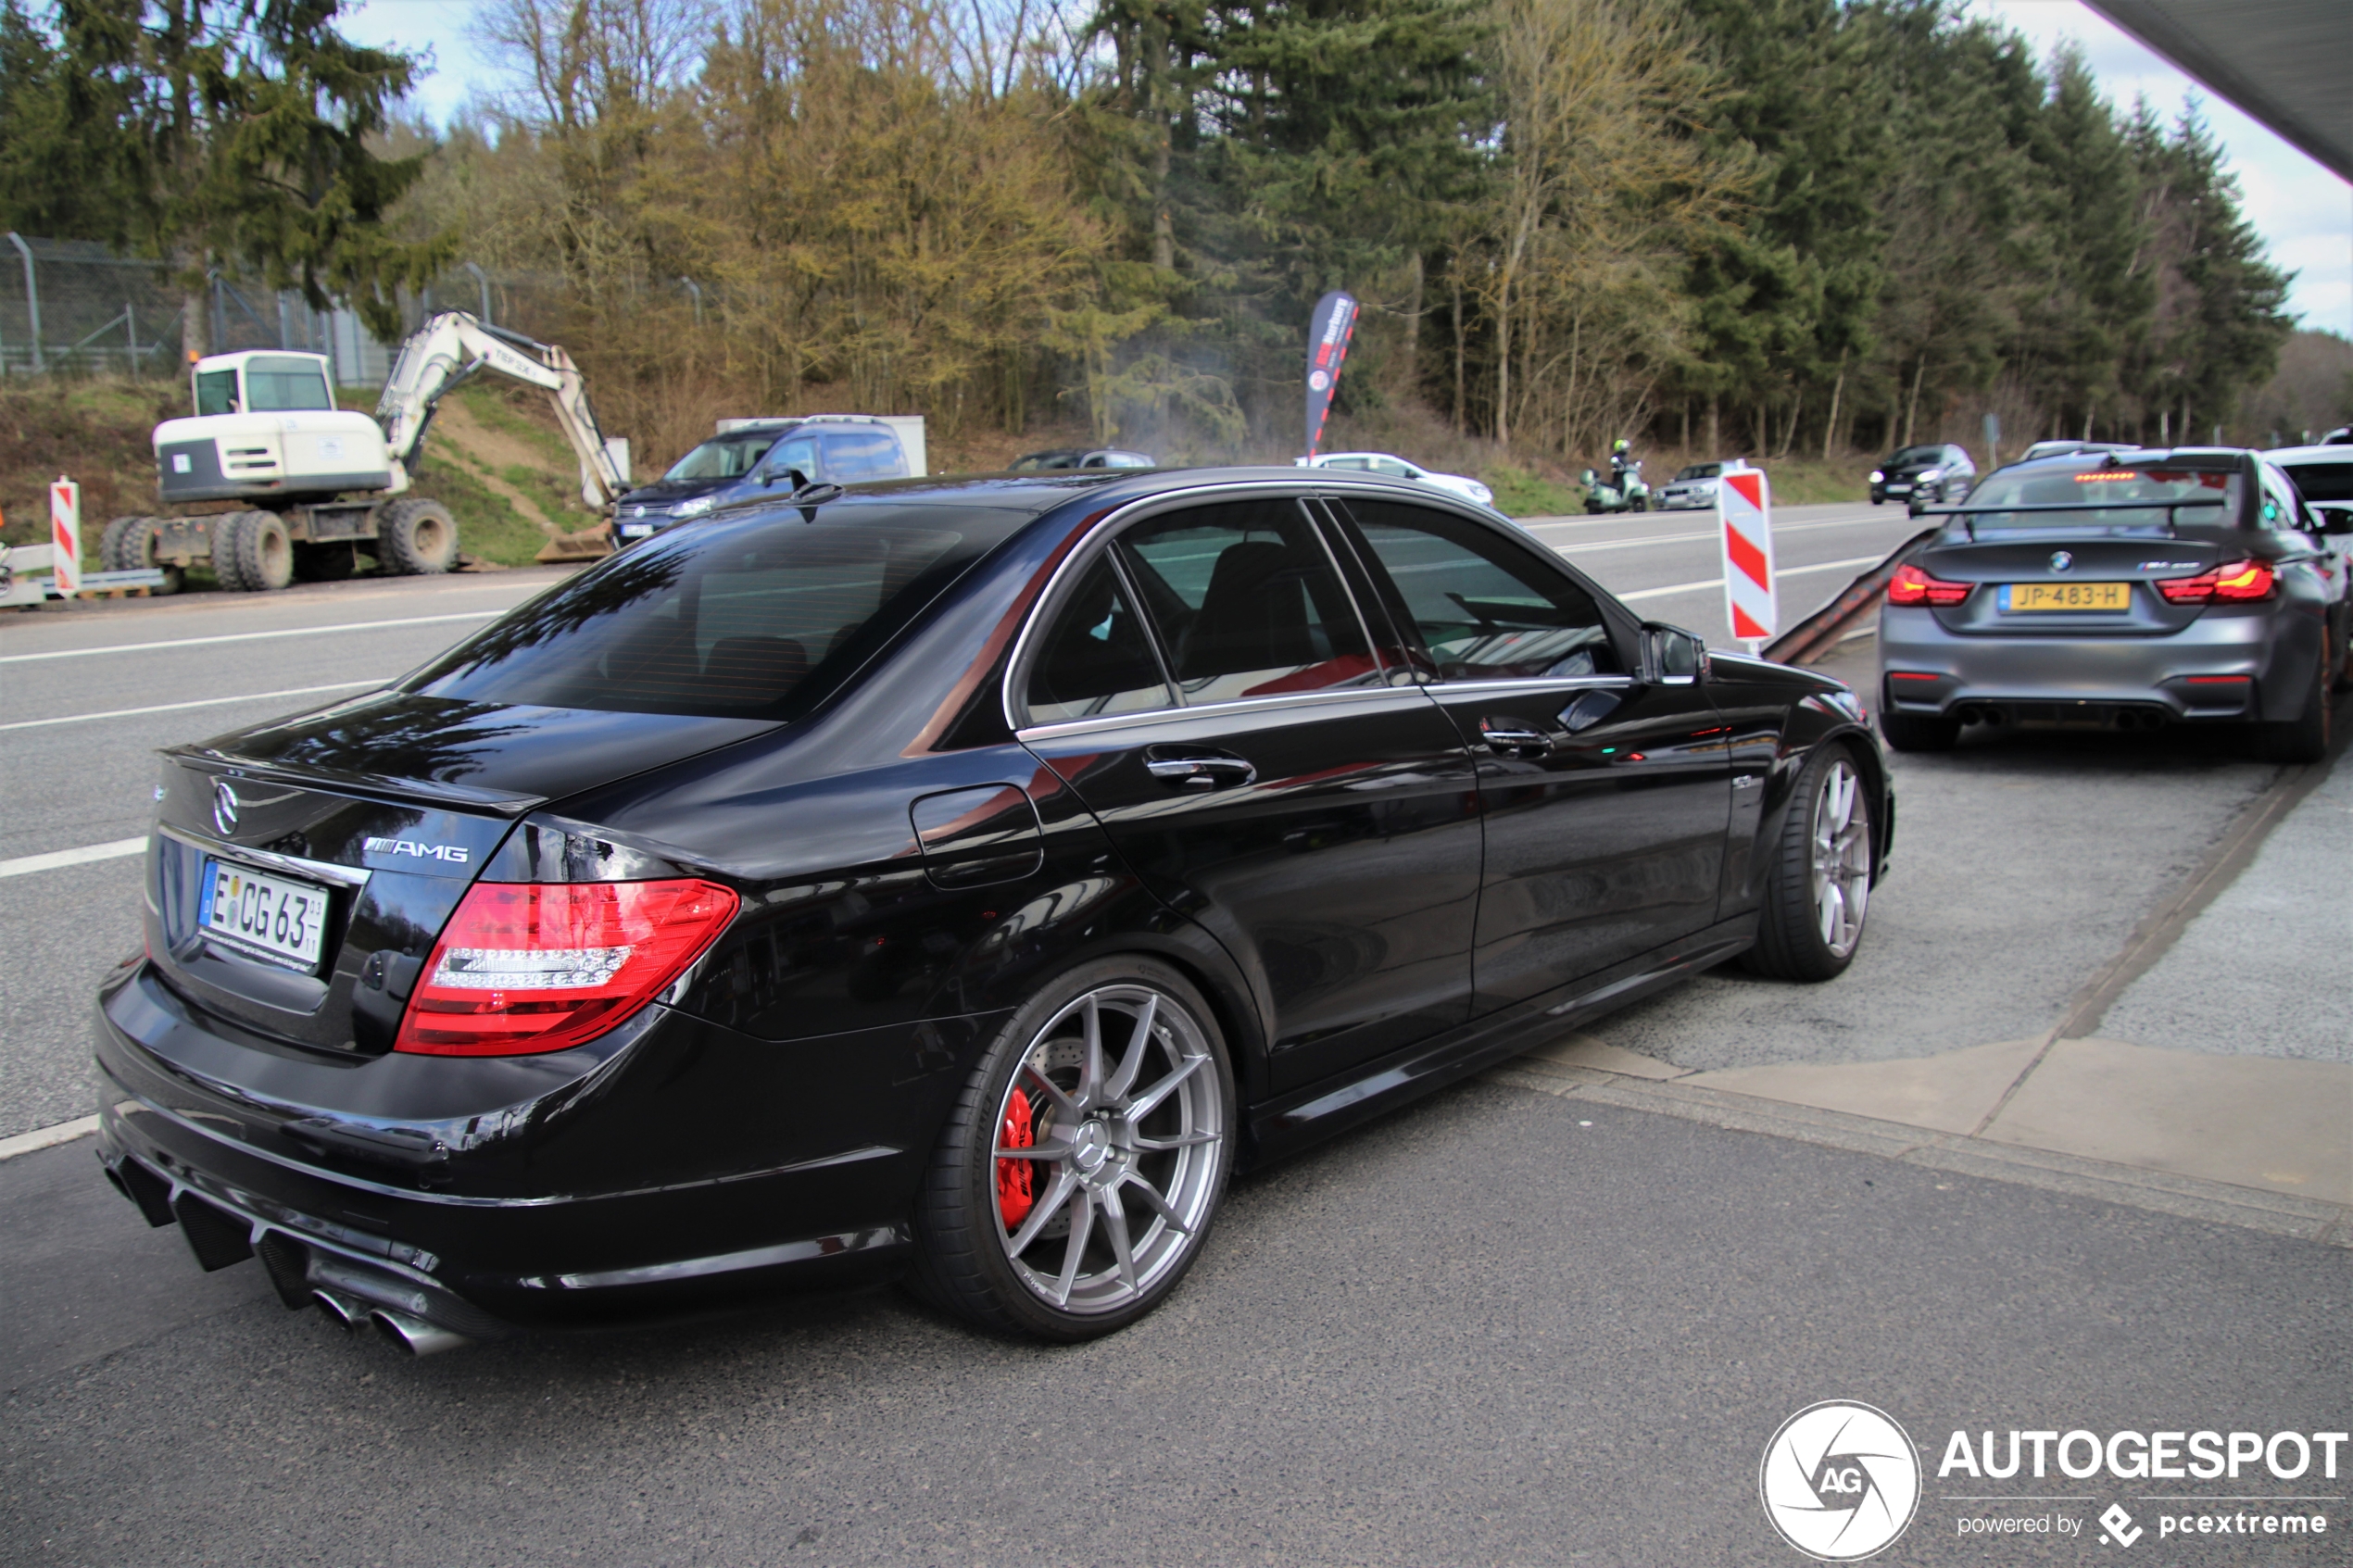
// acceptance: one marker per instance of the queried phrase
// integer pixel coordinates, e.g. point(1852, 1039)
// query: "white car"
point(1390, 467)
point(1693, 486)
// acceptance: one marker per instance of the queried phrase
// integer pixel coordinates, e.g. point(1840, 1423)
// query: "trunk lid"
point(2068, 557)
point(371, 818)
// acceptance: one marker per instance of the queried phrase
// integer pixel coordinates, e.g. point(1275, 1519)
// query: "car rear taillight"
point(2238, 583)
point(1910, 585)
point(527, 966)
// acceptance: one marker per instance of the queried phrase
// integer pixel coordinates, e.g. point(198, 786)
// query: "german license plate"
point(2017, 597)
point(1899, 487)
point(269, 916)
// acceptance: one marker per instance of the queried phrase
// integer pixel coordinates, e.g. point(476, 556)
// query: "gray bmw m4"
point(2133, 590)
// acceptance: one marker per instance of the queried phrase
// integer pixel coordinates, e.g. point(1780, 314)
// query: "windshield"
point(755, 618)
point(2128, 497)
point(2323, 481)
point(1702, 470)
point(1919, 454)
point(728, 456)
point(277, 385)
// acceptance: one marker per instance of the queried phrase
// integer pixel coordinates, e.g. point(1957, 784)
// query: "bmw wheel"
point(1820, 885)
point(1080, 1171)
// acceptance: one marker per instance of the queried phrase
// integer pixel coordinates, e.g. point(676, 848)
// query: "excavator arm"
point(453, 347)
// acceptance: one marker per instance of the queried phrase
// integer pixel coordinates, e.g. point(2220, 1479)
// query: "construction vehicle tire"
point(416, 538)
point(262, 551)
point(129, 544)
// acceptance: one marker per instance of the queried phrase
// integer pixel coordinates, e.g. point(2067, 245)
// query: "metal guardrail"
point(1821, 632)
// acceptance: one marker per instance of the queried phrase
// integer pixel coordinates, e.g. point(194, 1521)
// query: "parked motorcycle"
point(1629, 495)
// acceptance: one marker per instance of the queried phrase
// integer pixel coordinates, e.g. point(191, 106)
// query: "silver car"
point(1693, 486)
point(2133, 590)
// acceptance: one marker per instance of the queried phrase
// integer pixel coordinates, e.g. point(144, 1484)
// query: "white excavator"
point(322, 484)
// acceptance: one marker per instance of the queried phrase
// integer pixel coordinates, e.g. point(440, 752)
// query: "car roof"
point(2288, 457)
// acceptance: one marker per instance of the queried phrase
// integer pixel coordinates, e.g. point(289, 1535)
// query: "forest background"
point(1784, 228)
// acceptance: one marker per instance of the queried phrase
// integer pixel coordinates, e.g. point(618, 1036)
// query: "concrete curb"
point(47, 1137)
point(2189, 1197)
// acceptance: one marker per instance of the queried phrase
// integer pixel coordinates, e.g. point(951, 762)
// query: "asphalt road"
point(1498, 1327)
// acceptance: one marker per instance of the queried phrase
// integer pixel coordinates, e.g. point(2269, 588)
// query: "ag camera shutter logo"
point(1840, 1481)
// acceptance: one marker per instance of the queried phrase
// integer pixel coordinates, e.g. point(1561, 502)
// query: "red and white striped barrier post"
point(1745, 515)
point(65, 537)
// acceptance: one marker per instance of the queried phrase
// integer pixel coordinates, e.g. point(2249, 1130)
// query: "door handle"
point(1508, 737)
point(1202, 772)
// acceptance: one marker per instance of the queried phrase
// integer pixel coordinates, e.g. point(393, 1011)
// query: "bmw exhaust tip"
point(415, 1336)
point(345, 1313)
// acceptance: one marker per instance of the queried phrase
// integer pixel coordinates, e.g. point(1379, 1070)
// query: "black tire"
point(129, 544)
point(259, 548)
point(1790, 941)
point(1642, 503)
point(1915, 732)
point(967, 1225)
point(1592, 508)
point(2304, 738)
point(324, 563)
point(416, 538)
point(1879, 500)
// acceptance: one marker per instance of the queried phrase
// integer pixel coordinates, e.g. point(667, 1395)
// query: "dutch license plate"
point(2021, 597)
point(1899, 488)
point(270, 916)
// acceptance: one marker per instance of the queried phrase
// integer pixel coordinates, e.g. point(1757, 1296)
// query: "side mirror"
point(1672, 657)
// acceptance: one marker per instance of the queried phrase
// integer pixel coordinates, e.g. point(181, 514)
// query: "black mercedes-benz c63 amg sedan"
point(951, 880)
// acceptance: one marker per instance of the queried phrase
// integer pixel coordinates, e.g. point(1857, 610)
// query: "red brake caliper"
point(1013, 1176)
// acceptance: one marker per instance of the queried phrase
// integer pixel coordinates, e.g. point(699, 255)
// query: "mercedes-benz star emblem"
point(2062, 561)
point(224, 806)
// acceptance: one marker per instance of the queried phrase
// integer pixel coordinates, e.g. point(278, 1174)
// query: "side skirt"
point(1284, 1126)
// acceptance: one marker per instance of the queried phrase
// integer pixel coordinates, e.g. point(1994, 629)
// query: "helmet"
point(1621, 444)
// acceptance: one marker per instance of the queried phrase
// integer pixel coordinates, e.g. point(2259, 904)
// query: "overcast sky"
point(2304, 212)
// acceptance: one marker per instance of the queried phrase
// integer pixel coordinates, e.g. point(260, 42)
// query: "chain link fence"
point(72, 307)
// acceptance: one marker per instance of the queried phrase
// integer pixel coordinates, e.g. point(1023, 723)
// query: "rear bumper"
point(2220, 667)
point(575, 1203)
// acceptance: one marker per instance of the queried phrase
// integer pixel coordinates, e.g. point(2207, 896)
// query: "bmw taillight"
point(2240, 582)
point(1910, 585)
point(529, 967)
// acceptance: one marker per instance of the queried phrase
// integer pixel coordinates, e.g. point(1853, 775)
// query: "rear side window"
point(750, 619)
point(862, 455)
point(1095, 658)
point(1247, 602)
point(275, 385)
point(1485, 610)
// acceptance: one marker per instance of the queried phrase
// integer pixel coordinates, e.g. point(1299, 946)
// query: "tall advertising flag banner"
point(1744, 517)
point(1328, 331)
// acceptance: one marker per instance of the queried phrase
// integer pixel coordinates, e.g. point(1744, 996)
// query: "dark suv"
point(749, 459)
point(1922, 476)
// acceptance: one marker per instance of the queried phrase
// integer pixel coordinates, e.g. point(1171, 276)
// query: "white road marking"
point(200, 702)
point(47, 1137)
point(245, 636)
point(25, 865)
point(1674, 589)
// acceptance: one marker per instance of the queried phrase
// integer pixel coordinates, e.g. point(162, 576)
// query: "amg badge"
point(453, 853)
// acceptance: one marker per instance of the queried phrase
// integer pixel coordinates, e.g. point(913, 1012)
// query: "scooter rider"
point(1622, 463)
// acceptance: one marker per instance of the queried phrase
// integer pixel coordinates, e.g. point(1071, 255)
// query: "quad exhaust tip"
point(342, 1310)
point(415, 1336)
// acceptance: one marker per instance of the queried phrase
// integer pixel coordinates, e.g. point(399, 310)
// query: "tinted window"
point(1919, 454)
point(2125, 498)
point(754, 619)
point(862, 455)
point(1247, 602)
point(1095, 658)
point(2323, 481)
point(1701, 471)
point(284, 385)
point(1485, 610)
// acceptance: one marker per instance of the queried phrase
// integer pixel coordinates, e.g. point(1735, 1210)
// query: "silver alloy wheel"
point(1120, 1177)
point(1841, 858)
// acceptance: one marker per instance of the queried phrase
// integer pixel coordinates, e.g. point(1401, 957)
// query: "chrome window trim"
point(293, 865)
point(1118, 520)
point(1287, 701)
point(1517, 684)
